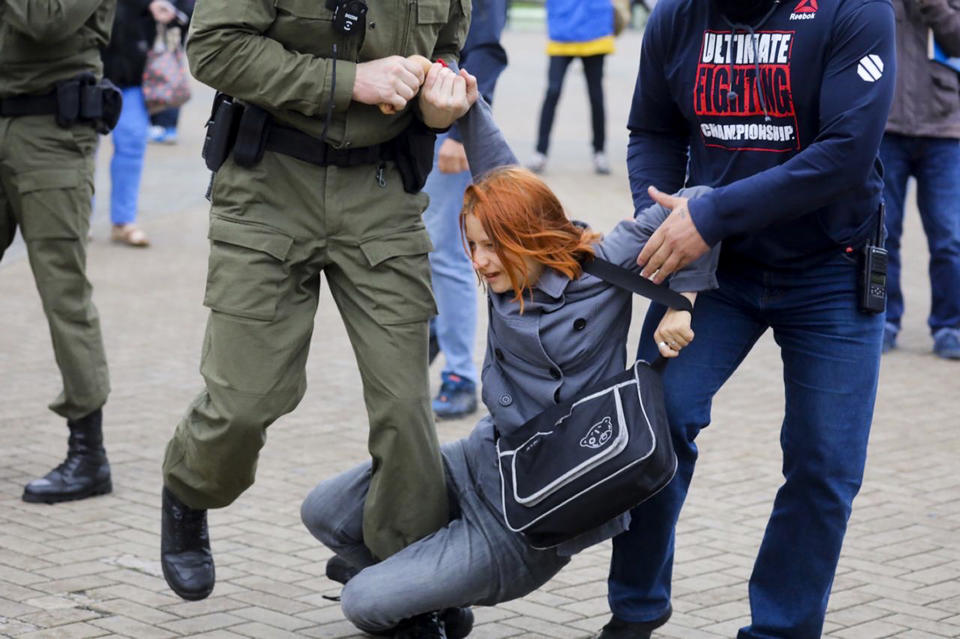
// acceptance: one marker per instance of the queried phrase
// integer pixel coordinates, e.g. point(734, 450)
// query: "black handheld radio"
point(873, 272)
point(349, 16)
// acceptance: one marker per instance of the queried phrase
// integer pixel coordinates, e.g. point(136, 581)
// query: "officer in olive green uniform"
point(46, 186)
point(276, 225)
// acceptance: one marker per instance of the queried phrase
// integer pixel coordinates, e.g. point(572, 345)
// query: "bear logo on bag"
point(598, 435)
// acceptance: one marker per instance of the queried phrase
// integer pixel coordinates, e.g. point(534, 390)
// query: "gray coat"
point(571, 335)
point(927, 98)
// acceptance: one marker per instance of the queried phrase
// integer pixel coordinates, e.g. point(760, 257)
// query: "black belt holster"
point(78, 100)
point(413, 154)
point(221, 131)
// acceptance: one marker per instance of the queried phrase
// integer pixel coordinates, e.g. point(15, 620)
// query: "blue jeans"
point(935, 162)
point(831, 357)
point(129, 147)
point(454, 282)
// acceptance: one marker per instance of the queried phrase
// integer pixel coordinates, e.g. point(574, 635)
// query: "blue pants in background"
point(935, 163)
point(129, 147)
point(454, 282)
point(831, 356)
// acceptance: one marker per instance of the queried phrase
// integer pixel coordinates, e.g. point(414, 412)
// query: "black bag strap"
point(619, 276)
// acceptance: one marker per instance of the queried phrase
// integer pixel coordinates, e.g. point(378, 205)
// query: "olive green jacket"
point(45, 41)
point(278, 54)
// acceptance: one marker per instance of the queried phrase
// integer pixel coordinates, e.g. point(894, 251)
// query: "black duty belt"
point(297, 144)
point(20, 105)
point(257, 131)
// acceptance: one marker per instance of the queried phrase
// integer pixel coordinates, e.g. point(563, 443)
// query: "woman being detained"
point(553, 331)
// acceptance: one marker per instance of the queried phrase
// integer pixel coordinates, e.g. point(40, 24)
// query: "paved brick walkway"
point(91, 569)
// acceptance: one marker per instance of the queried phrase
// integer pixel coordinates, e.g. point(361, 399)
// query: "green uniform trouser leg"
point(274, 229)
point(46, 186)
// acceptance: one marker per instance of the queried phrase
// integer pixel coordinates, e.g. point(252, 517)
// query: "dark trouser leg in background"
point(938, 198)
point(593, 70)
point(555, 75)
point(895, 155)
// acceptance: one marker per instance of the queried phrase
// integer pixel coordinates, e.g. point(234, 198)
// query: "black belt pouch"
point(413, 151)
point(221, 131)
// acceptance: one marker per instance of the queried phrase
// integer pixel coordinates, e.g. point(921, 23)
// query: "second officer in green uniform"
point(318, 181)
point(51, 108)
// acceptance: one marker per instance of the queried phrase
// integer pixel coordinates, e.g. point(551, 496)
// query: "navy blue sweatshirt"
point(796, 174)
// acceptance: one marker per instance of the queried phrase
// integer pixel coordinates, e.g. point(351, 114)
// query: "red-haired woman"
point(553, 330)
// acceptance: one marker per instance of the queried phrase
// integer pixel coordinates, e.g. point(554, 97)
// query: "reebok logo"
point(805, 10)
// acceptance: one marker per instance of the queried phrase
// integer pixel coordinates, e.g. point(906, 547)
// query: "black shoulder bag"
point(589, 459)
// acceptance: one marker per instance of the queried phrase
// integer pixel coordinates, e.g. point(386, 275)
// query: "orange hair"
point(523, 217)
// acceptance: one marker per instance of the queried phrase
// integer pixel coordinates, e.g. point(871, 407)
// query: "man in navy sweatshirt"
point(781, 107)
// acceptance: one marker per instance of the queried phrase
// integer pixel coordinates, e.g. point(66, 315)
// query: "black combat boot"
point(84, 473)
point(185, 549)
point(458, 622)
point(340, 570)
point(429, 625)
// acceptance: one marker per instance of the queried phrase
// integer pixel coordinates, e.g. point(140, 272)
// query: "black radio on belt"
point(349, 16)
point(873, 272)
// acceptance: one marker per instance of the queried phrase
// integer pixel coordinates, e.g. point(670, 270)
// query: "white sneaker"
point(537, 163)
point(601, 166)
point(155, 133)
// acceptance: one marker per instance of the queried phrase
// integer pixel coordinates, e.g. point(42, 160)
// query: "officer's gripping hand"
point(446, 96)
point(393, 81)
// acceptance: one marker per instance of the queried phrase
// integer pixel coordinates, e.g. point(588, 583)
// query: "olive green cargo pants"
point(273, 230)
point(46, 186)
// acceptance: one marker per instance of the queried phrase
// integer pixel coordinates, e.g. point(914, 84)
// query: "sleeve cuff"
point(693, 282)
point(703, 212)
point(346, 77)
point(454, 134)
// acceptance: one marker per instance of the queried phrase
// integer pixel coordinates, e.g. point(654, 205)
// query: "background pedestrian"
point(923, 140)
point(134, 32)
point(577, 29)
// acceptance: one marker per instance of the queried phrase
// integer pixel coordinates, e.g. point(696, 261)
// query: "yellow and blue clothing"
point(579, 28)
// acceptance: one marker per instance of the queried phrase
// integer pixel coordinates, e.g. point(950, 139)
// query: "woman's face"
point(487, 263)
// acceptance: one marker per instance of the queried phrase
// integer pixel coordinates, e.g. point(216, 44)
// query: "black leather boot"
point(185, 549)
point(340, 570)
point(426, 626)
point(84, 473)
point(458, 622)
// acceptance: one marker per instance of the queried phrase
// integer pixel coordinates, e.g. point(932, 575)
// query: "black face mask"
point(744, 11)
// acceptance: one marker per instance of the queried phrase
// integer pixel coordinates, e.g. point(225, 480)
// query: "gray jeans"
point(473, 560)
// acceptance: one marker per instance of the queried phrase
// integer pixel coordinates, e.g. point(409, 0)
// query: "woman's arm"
point(483, 140)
